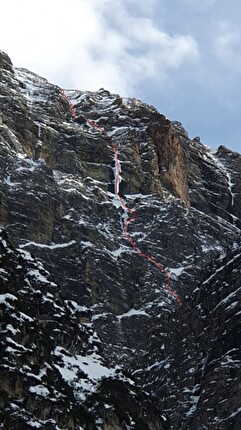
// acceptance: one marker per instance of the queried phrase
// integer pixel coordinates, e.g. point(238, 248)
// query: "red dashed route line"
point(73, 109)
point(132, 218)
point(132, 212)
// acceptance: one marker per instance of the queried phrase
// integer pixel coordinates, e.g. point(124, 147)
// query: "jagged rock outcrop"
point(201, 355)
point(58, 202)
point(171, 157)
point(51, 363)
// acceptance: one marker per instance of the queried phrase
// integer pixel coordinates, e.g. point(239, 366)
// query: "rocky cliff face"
point(91, 338)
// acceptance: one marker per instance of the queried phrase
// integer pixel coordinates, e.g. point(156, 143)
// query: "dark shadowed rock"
point(91, 337)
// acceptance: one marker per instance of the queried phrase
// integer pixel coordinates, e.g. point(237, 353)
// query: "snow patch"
point(133, 312)
point(71, 367)
point(4, 298)
point(177, 272)
point(40, 390)
point(52, 246)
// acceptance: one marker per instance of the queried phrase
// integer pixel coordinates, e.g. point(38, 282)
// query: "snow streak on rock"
point(90, 338)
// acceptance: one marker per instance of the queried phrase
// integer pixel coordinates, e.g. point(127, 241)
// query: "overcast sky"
point(182, 56)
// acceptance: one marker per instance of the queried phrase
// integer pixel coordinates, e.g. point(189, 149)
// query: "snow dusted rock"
point(198, 361)
point(5, 62)
point(51, 368)
point(58, 203)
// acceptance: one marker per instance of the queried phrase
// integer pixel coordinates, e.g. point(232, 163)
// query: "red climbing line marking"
point(73, 109)
point(94, 125)
point(74, 114)
point(129, 238)
point(127, 209)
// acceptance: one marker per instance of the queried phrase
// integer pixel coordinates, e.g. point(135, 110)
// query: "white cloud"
point(136, 49)
point(227, 45)
point(90, 44)
point(199, 5)
point(182, 56)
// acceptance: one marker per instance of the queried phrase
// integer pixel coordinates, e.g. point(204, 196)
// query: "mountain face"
point(103, 202)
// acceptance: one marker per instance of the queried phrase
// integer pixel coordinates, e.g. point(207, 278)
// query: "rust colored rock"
point(90, 337)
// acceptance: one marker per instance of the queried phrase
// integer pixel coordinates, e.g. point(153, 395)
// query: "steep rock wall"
point(58, 202)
